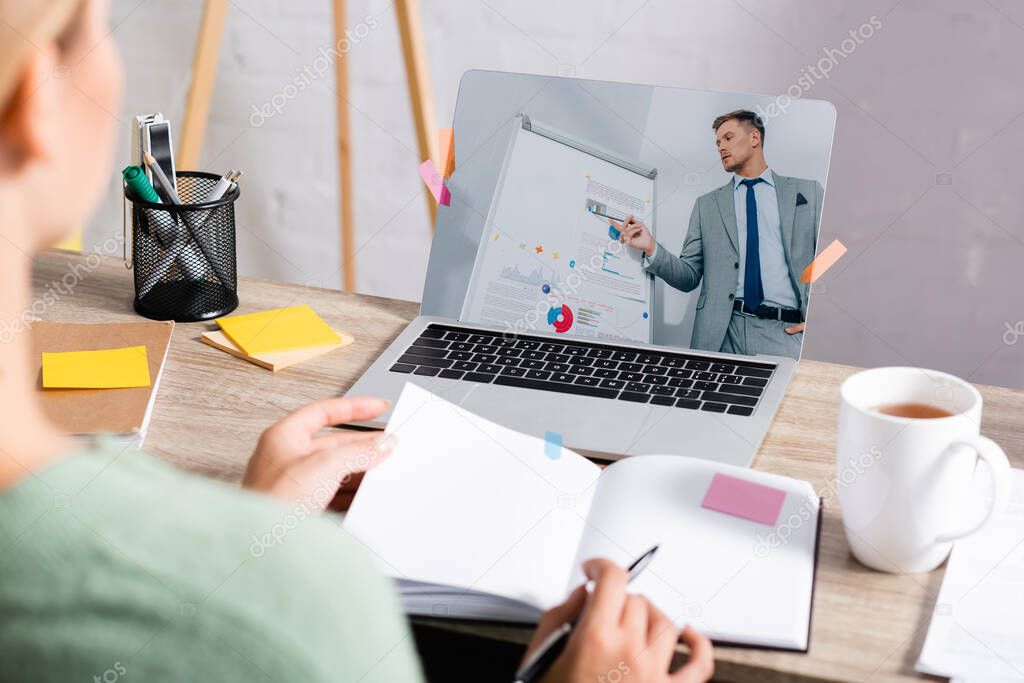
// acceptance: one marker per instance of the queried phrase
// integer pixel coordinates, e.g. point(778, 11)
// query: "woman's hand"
point(294, 464)
point(621, 633)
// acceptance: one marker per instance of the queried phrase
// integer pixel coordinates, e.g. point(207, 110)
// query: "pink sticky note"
point(435, 183)
point(744, 499)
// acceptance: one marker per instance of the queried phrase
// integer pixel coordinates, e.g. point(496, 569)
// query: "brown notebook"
point(89, 411)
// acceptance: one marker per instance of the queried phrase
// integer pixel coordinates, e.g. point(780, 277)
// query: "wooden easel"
point(204, 73)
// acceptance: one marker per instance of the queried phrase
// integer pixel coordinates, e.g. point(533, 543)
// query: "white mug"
point(904, 483)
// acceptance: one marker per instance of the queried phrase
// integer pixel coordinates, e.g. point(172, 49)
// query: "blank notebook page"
point(716, 571)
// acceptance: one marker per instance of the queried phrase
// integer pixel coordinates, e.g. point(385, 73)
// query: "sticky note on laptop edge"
point(99, 369)
point(745, 499)
point(446, 146)
point(435, 183)
point(282, 329)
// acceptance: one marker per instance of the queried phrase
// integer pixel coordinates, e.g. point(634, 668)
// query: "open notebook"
point(477, 521)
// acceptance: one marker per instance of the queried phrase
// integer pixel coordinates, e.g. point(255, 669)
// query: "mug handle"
point(989, 451)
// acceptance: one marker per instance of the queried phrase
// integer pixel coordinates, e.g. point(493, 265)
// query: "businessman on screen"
point(749, 241)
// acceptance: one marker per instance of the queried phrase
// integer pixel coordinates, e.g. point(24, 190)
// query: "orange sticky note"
point(446, 146)
point(825, 260)
point(103, 369)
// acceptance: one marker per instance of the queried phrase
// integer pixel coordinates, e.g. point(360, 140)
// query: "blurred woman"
point(114, 564)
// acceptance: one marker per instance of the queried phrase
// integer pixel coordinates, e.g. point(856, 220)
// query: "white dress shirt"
point(778, 290)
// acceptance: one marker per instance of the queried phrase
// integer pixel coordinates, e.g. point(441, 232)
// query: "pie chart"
point(560, 318)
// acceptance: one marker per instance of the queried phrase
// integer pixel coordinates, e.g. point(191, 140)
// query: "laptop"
point(548, 309)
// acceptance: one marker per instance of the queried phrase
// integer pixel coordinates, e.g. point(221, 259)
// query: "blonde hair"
point(24, 26)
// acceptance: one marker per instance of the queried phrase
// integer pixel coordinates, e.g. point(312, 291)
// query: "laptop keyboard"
point(575, 367)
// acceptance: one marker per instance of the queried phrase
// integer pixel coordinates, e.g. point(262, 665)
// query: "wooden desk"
point(211, 409)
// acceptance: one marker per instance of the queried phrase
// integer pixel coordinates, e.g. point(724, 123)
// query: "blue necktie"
point(753, 290)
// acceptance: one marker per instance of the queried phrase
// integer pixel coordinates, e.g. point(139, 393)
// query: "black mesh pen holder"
point(184, 255)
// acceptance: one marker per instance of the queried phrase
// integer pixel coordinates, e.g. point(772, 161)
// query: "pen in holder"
point(183, 255)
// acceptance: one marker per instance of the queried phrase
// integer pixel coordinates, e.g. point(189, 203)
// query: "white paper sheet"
point(977, 627)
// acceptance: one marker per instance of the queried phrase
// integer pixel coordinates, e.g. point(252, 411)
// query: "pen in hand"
point(537, 664)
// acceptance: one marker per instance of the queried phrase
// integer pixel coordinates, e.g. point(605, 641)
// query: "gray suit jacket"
point(711, 251)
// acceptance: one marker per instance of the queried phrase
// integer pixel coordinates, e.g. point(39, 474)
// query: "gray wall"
point(922, 186)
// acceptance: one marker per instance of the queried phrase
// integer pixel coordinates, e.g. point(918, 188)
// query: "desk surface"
point(211, 408)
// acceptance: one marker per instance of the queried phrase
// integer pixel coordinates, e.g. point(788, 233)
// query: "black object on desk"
point(183, 256)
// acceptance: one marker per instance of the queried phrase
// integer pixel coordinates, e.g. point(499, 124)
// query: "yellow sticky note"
point(283, 329)
point(105, 369)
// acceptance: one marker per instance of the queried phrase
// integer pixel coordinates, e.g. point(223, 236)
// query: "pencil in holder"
point(183, 255)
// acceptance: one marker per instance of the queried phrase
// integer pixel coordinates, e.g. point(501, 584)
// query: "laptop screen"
point(631, 213)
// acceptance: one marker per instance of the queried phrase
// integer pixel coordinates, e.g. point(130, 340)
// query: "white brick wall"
point(933, 274)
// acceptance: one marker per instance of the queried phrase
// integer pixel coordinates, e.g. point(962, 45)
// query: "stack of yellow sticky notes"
point(277, 339)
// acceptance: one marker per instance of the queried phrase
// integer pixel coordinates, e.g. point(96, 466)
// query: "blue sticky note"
point(613, 232)
point(553, 445)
